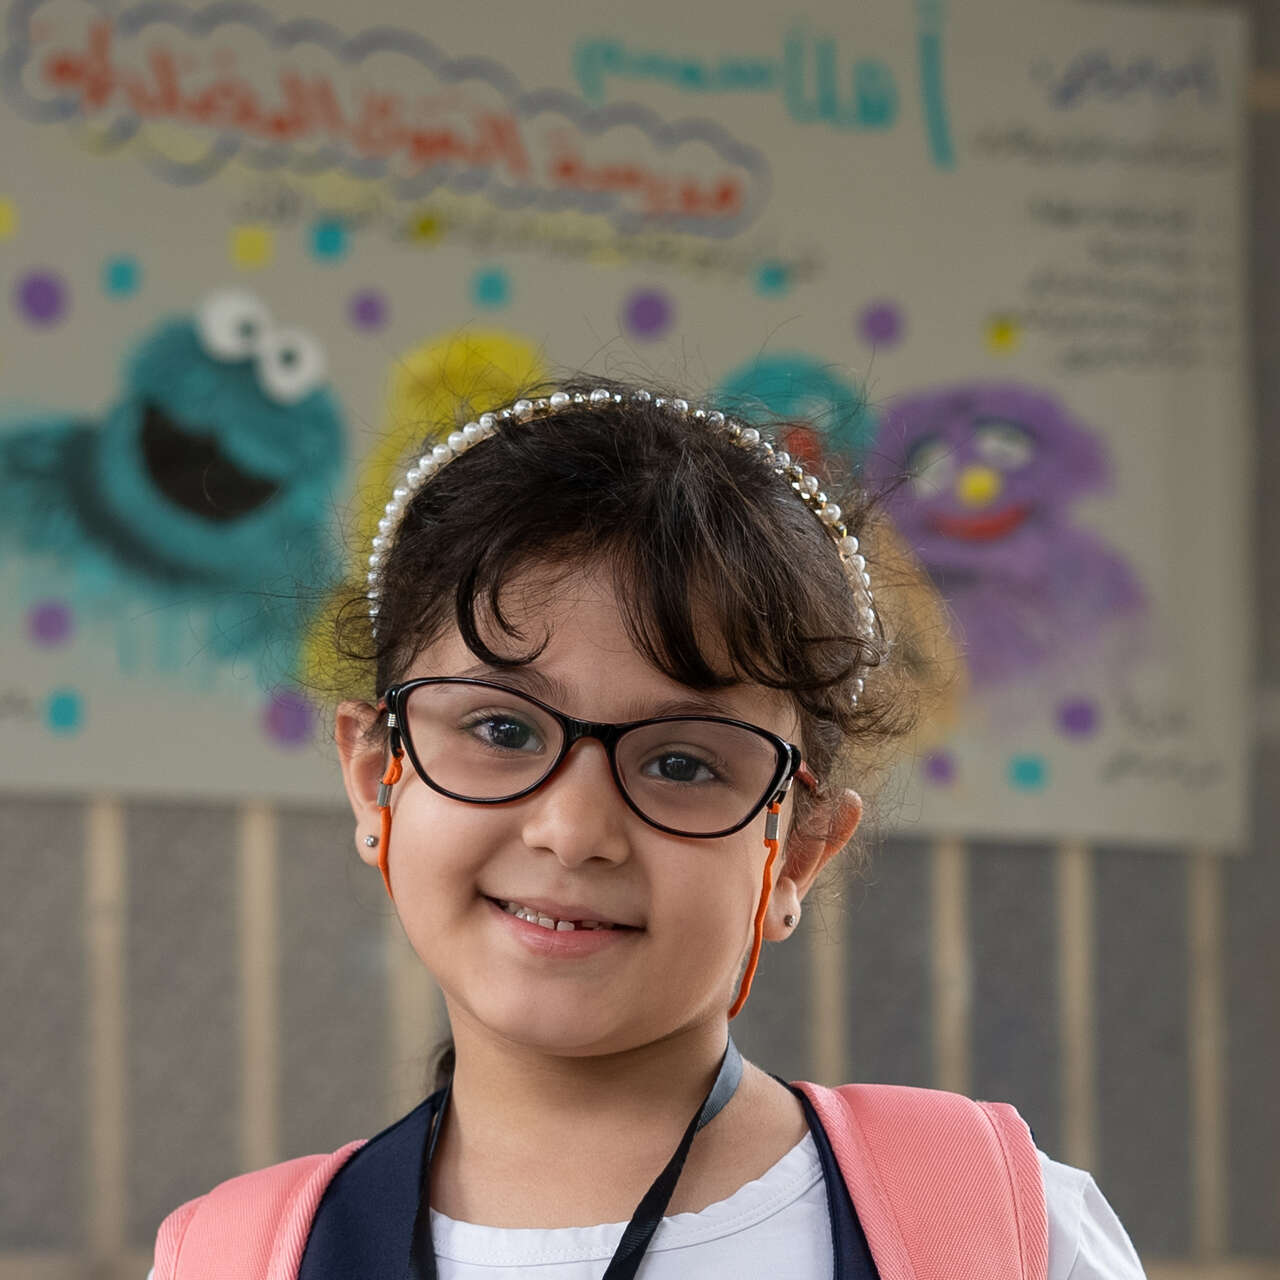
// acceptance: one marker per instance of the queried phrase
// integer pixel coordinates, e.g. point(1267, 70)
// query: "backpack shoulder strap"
point(943, 1186)
point(253, 1227)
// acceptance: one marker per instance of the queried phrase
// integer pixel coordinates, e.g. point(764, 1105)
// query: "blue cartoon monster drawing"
point(195, 511)
point(993, 470)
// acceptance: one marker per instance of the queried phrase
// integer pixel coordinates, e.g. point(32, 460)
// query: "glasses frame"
point(789, 762)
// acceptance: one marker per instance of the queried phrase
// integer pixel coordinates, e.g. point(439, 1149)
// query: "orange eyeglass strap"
point(771, 843)
point(389, 779)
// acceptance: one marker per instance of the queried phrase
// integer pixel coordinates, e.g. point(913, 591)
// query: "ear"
point(808, 850)
point(362, 768)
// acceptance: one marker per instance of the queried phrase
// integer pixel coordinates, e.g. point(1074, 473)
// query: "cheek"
point(438, 848)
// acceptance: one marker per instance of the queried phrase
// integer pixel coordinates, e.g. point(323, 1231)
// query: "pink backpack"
point(943, 1187)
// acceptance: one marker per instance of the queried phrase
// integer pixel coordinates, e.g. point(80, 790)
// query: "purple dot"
point(648, 313)
point(49, 623)
point(41, 297)
point(1078, 717)
point(368, 309)
point(289, 718)
point(881, 324)
point(940, 768)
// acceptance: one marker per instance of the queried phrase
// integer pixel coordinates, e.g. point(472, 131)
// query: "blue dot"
point(772, 279)
point(329, 240)
point(491, 287)
point(1028, 773)
point(64, 711)
point(121, 276)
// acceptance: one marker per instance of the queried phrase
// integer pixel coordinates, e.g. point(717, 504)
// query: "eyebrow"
point(554, 691)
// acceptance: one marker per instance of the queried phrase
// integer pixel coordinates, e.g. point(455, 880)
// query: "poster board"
point(999, 244)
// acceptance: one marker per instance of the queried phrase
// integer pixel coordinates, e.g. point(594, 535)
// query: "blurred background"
point(1019, 252)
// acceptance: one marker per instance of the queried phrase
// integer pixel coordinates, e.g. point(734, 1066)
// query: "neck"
point(596, 1128)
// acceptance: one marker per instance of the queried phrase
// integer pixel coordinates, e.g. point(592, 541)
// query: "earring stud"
point(789, 921)
point(371, 842)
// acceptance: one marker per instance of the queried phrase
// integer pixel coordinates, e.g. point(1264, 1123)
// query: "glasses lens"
point(480, 742)
point(696, 776)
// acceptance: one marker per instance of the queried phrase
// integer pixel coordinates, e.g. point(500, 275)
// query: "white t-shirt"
point(777, 1225)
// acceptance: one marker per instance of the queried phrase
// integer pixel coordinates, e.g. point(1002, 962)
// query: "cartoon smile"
point(193, 472)
point(985, 528)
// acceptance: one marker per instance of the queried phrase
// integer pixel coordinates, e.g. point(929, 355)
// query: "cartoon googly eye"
point(231, 324)
point(290, 365)
point(1002, 444)
point(930, 464)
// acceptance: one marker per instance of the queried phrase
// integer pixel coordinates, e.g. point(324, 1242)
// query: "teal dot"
point(121, 276)
point(491, 287)
point(1028, 773)
point(64, 711)
point(772, 279)
point(329, 240)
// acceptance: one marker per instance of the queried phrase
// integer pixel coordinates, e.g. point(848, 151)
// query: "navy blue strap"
point(853, 1260)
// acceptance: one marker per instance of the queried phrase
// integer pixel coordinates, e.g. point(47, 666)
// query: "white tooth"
point(546, 922)
point(562, 925)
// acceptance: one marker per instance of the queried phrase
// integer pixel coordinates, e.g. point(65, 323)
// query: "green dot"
point(491, 287)
point(772, 279)
point(329, 239)
point(1028, 773)
point(121, 276)
point(64, 711)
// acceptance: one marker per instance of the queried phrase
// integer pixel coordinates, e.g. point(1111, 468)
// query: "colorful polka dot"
point(121, 276)
point(49, 623)
point(288, 718)
point(1078, 717)
point(41, 297)
point(64, 711)
point(772, 279)
point(491, 287)
point(940, 768)
point(425, 228)
point(8, 218)
point(1003, 335)
point(368, 309)
point(1028, 773)
point(329, 240)
point(252, 247)
point(648, 313)
point(881, 324)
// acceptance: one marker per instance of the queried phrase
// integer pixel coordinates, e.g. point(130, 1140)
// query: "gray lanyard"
point(644, 1222)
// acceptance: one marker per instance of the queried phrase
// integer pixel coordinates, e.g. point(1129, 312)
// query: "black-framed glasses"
point(485, 743)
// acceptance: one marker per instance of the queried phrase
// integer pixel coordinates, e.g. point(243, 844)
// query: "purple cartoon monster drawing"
point(993, 470)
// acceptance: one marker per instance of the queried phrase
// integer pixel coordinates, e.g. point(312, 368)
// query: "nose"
point(978, 486)
point(578, 813)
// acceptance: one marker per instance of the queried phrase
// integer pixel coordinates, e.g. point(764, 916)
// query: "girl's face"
point(576, 841)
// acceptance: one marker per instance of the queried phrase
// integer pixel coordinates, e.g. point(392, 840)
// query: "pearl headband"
point(806, 486)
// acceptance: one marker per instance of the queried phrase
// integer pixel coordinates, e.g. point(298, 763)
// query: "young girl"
point(625, 657)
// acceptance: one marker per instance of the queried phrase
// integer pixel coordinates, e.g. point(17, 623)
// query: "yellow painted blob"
point(978, 486)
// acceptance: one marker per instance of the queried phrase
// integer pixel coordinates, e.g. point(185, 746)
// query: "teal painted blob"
point(1028, 773)
point(329, 240)
point(64, 711)
point(797, 388)
point(491, 287)
point(772, 279)
point(121, 276)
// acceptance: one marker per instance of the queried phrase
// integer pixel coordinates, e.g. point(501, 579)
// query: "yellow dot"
point(8, 218)
point(252, 247)
point(1003, 334)
point(978, 486)
point(426, 228)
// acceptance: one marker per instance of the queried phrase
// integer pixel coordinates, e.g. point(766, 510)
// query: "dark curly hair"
point(723, 575)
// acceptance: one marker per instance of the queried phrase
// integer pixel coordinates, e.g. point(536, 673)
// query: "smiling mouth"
point(193, 472)
point(982, 528)
point(593, 925)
